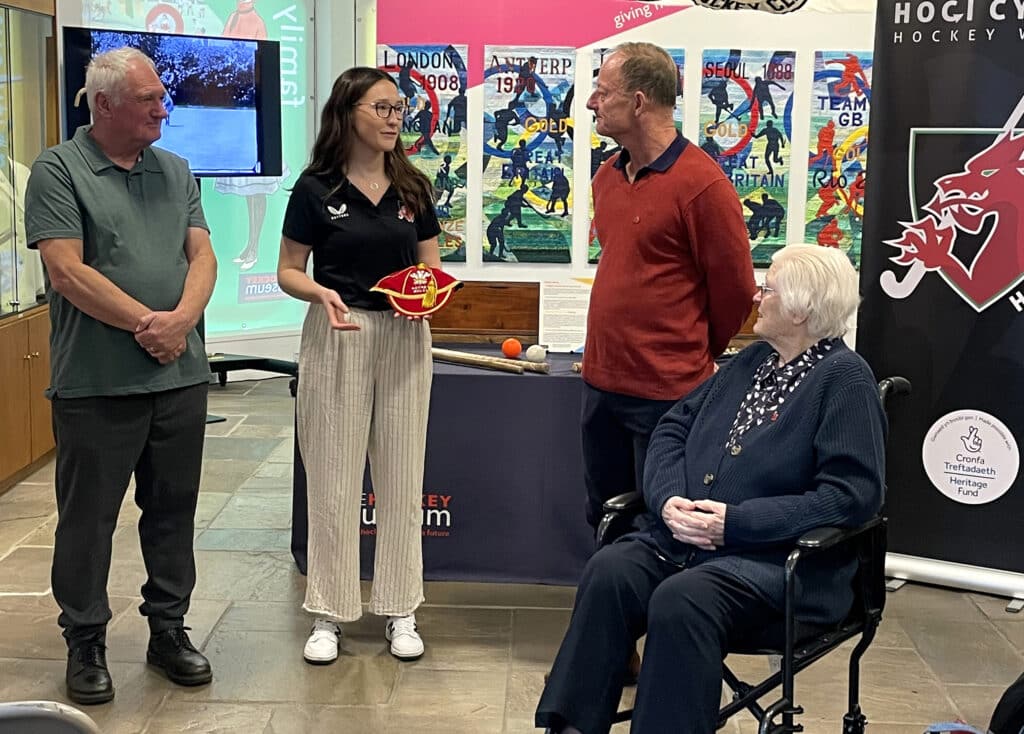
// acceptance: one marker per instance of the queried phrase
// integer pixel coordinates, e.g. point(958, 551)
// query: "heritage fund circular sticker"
point(970, 456)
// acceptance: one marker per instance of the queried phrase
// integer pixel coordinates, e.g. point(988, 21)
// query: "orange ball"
point(511, 348)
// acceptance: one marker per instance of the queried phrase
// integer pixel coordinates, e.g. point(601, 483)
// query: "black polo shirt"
point(355, 243)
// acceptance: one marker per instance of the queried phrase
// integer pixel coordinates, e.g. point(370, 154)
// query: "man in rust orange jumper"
point(675, 279)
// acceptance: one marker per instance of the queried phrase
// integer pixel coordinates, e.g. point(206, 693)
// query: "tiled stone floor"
point(940, 655)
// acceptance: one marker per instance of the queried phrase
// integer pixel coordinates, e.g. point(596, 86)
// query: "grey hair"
point(106, 73)
point(819, 284)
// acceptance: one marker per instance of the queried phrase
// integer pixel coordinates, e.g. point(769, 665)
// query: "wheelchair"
point(800, 648)
point(44, 717)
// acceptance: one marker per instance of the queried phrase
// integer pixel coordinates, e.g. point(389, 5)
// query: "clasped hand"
point(700, 523)
point(163, 335)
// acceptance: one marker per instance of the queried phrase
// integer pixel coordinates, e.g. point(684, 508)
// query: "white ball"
point(536, 353)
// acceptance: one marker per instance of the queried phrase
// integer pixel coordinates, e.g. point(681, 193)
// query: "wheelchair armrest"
point(871, 562)
point(894, 385)
point(624, 502)
point(820, 539)
point(619, 514)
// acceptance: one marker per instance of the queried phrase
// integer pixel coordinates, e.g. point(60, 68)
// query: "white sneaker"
point(406, 643)
point(322, 646)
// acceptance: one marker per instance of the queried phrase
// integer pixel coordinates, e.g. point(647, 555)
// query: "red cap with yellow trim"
point(418, 290)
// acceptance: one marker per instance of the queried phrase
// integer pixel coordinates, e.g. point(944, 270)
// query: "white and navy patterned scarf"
point(770, 388)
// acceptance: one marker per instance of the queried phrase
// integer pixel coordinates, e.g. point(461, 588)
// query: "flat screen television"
point(224, 96)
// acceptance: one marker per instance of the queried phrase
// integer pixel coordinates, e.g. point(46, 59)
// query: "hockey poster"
point(432, 79)
point(746, 112)
point(838, 157)
point(527, 154)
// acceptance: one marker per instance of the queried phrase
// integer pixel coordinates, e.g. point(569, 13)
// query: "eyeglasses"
point(765, 290)
point(384, 110)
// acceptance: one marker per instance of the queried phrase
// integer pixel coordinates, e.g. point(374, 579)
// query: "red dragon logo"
point(991, 185)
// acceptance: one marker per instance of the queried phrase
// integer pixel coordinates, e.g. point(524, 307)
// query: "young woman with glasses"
point(362, 211)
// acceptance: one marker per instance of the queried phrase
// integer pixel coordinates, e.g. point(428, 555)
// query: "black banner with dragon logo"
point(942, 274)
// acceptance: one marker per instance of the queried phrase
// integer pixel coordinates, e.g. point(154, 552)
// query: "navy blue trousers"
point(616, 430)
point(691, 618)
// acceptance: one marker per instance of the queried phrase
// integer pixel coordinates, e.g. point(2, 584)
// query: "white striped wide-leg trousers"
point(364, 393)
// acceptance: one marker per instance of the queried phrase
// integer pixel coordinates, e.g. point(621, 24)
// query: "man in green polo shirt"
point(129, 270)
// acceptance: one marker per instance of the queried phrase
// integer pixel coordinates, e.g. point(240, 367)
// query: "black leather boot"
point(172, 652)
point(87, 678)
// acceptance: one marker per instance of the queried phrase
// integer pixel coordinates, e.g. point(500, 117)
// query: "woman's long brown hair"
point(337, 136)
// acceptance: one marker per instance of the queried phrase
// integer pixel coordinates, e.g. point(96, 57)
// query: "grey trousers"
point(101, 442)
point(364, 393)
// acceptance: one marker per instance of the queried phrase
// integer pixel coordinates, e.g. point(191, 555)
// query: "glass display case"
point(23, 82)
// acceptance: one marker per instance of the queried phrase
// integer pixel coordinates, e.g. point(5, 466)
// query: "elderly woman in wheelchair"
point(787, 436)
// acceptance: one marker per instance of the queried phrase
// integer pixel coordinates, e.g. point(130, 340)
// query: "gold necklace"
point(374, 186)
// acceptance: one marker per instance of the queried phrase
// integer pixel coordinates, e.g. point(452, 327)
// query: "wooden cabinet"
point(39, 380)
point(15, 412)
point(26, 434)
point(489, 311)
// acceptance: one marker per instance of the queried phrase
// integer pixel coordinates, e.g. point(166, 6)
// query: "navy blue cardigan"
point(820, 463)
